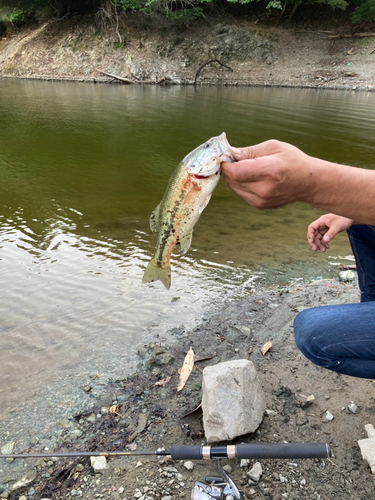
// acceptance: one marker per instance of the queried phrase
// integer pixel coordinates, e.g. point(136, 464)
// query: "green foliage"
point(365, 11)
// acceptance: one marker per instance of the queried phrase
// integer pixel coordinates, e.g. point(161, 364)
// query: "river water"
point(82, 166)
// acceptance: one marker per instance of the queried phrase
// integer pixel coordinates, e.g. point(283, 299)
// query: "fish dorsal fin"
point(185, 243)
point(155, 219)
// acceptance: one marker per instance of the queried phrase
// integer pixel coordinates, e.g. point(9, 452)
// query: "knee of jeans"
point(306, 333)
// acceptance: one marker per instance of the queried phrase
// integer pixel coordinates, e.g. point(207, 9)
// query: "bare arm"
point(273, 173)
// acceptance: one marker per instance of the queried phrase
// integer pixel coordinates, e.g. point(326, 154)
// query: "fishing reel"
point(216, 488)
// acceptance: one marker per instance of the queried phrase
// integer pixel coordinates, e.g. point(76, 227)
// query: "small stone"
point(244, 462)
point(121, 490)
point(352, 407)
point(8, 448)
point(283, 479)
point(87, 388)
point(98, 463)
point(189, 465)
point(251, 492)
point(329, 416)
point(255, 472)
point(228, 469)
point(27, 480)
point(346, 276)
point(270, 413)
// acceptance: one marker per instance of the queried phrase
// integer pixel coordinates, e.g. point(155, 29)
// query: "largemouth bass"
point(188, 192)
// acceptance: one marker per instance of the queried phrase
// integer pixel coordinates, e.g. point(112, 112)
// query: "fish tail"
point(155, 272)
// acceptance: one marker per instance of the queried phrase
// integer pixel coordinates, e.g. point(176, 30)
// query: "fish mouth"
point(211, 169)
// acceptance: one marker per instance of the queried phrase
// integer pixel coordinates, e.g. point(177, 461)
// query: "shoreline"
point(148, 415)
point(45, 78)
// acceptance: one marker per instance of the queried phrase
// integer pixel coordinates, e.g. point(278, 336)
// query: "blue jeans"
point(342, 337)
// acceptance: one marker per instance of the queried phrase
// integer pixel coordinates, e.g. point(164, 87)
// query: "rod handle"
point(252, 450)
point(283, 450)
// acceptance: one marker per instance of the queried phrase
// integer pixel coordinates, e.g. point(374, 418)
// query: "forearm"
point(343, 190)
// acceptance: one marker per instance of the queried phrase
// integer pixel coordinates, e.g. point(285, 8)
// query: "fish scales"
point(188, 193)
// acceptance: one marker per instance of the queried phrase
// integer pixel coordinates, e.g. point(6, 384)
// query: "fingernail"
point(326, 238)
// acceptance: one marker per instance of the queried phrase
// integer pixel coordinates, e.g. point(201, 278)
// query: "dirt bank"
point(148, 416)
point(143, 50)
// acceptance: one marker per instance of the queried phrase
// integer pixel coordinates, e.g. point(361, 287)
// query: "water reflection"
point(83, 166)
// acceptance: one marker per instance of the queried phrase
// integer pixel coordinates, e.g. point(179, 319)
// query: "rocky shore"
point(242, 52)
point(145, 412)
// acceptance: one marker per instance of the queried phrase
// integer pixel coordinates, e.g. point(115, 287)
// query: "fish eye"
point(207, 145)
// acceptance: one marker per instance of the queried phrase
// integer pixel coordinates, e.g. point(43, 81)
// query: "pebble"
point(346, 276)
point(26, 480)
point(329, 416)
point(189, 465)
point(98, 463)
point(352, 407)
point(255, 472)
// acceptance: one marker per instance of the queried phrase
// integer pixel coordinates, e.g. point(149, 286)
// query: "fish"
point(188, 192)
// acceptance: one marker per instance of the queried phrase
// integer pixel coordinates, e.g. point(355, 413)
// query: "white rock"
point(352, 407)
point(329, 416)
point(98, 463)
point(346, 276)
point(244, 462)
point(255, 472)
point(233, 401)
point(189, 465)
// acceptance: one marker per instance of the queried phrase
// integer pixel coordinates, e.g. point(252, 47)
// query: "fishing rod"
point(220, 488)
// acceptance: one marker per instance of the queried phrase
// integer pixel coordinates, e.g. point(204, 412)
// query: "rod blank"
point(196, 452)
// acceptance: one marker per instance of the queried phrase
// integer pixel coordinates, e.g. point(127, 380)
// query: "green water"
point(82, 167)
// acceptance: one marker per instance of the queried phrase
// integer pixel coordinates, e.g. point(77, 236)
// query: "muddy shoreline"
point(148, 413)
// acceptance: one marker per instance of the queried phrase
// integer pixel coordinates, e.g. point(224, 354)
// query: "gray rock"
point(26, 480)
point(159, 357)
point(255, 472)
point(233, 401)
point(8, 448)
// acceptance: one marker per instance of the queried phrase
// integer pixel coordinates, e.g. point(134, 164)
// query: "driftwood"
point(205, 64)
point(124, 80)
point(355, 35)
point(164, 80)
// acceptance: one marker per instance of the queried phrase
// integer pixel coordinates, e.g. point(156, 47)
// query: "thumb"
point(251, 152)
point(331, 233)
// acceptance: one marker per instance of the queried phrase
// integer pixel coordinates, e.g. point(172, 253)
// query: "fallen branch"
point(355, 35)
point(205, 64)
point(124, 80)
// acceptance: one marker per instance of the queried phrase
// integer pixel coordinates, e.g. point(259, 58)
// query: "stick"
point(125, 80)
point(205, 64)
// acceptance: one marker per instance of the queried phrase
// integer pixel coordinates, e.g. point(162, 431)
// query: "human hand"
point(270, 174)
point(323, 230)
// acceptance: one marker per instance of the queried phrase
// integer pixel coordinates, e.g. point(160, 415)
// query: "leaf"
point(197, 357)
point(163, 381)
point(266, 347)
point(186, 369)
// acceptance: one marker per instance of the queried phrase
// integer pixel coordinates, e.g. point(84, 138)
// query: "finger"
point(258, 150)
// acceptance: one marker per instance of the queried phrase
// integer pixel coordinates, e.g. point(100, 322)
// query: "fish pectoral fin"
point(155, 219)
point(154, 272)
point(185, 243)
point(192, 193)
point(204, 203)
